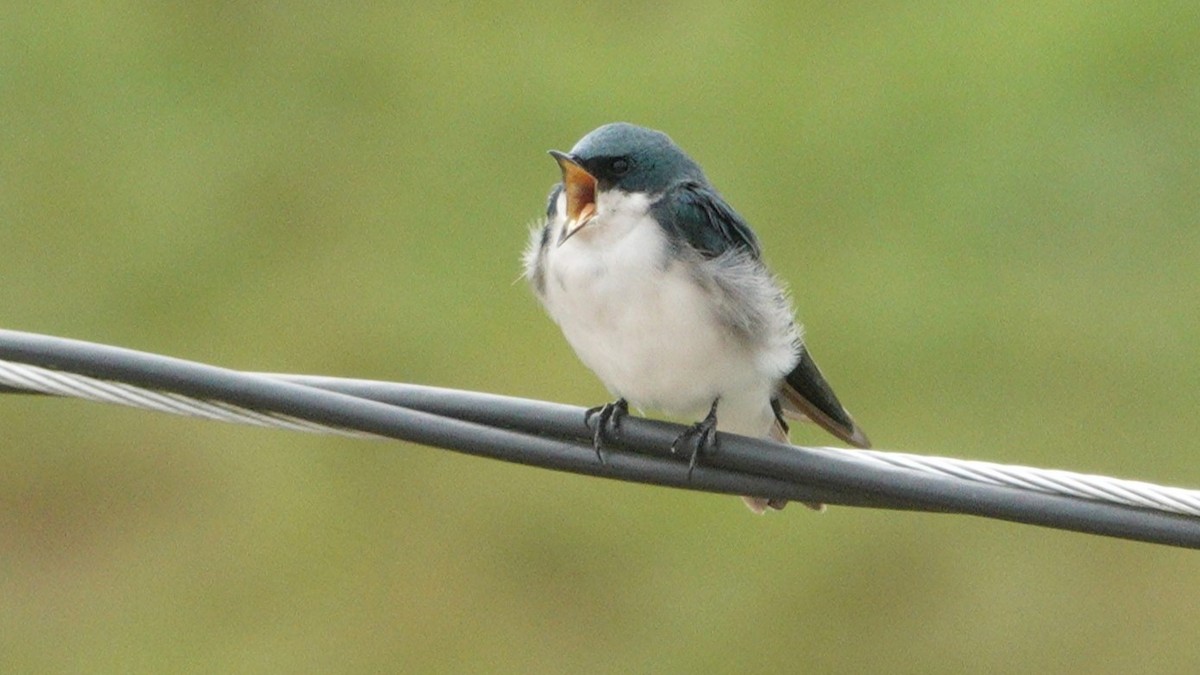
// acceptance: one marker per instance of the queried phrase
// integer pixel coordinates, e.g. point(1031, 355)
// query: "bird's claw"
point(608, 424)
point(702, 436)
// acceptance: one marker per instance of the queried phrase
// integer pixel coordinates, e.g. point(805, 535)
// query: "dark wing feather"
point(805, 391)
point(696, 214)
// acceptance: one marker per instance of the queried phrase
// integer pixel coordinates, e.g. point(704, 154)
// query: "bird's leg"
point(608, 424)
point(777, 408)
point(703, 436)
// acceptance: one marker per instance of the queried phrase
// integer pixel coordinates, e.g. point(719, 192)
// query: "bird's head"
point(619, 156)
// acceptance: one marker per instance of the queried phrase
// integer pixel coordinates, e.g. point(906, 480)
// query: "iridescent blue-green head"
point(620, 156)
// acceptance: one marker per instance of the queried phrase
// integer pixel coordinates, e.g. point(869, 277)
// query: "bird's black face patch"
point(609, 171)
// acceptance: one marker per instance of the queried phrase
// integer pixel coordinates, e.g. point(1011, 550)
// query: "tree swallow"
point(660, 288)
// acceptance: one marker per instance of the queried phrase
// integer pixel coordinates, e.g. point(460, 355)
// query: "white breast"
point(641, 322)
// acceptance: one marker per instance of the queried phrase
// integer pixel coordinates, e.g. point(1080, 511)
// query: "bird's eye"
point(619, 166)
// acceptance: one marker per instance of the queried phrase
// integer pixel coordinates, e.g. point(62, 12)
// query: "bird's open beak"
point(580, 187)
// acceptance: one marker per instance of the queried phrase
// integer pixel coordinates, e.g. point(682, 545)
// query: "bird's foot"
point(701, 436)
point(608, 424)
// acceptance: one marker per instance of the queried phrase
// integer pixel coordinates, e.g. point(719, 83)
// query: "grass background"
point(988, 213)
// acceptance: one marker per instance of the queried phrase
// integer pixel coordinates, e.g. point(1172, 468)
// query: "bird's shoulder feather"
point(699, 217)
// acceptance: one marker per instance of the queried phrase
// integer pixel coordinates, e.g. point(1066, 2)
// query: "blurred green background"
point(988, 213)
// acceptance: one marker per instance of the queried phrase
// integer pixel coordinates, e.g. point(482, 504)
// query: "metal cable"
point(34, 379)
point(555, 436)
point(536, 415)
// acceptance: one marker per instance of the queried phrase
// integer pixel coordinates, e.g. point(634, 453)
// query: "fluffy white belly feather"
point(649, 333)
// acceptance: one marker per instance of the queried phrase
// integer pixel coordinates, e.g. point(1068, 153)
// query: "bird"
point(660, 287)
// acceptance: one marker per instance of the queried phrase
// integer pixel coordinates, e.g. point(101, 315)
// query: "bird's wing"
point(700, 217)
point(805, 392)
point(704, 220)
point(552, 200)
